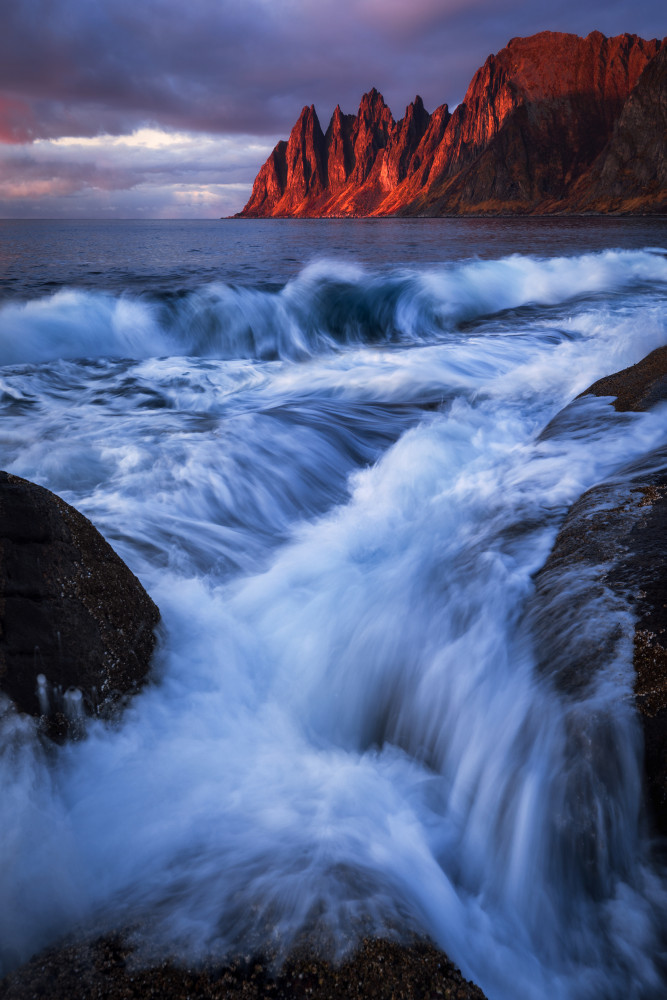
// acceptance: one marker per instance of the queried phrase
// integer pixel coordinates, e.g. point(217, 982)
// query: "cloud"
point(149, 172)
point(88, 69)
point(82, 67)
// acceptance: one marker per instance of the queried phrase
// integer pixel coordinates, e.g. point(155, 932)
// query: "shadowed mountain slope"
point(552, 123)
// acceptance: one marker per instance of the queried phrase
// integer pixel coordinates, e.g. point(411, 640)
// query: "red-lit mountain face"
point(552, 123)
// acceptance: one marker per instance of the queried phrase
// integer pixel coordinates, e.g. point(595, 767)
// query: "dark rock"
point(612, 548)
point(553, 123)
point(636, 388)
point(104, 969)
point(533, 120)
point(630, 175)
point(73, 618)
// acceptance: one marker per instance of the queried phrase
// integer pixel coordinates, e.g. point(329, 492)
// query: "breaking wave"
point(327, 306)
point(347, 732)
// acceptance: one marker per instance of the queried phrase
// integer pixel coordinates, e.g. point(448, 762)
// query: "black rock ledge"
point(76, 626)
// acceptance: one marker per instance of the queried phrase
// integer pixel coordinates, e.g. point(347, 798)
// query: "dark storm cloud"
point(81, 67)
point(220, 82)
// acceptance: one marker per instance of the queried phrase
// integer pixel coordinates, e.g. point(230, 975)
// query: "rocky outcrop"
point(552, 123)
point(637, 388)
point(534, 118)
point(76, 626)
point(104, 968)
point(347, 171)
point(339, 149)
point(270, 184)
point(613, 548)
point(630, 175)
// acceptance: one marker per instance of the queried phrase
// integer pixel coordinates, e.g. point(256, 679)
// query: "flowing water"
point(318, 446)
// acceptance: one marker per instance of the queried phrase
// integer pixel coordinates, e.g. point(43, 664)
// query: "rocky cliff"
point(552, 123)
point(630, 175)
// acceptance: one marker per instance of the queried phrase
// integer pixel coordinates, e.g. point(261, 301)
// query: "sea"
point(319, 446)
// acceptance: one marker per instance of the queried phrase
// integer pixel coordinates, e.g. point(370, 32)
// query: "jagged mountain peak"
point(535, 118)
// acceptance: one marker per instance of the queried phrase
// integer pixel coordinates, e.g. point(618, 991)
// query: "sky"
point(166, 109)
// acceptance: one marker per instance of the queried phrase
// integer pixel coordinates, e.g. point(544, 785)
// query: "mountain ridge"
point(553, 123)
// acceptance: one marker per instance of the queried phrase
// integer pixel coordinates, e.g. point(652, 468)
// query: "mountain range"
point(552, 124)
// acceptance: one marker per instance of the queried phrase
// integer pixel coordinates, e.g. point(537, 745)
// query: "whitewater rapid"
point(336, 491)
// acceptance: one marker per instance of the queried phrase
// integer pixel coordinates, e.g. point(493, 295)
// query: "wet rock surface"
point(612, 548)
point(104, 970)
point(73, 617)
point(636, 388)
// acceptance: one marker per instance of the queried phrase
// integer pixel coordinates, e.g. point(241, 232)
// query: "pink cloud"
point(16, 120)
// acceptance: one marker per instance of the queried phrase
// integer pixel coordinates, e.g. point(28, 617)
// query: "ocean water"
point(318, 444)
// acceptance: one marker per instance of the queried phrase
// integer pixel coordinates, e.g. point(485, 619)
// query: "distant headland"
point(552, 124)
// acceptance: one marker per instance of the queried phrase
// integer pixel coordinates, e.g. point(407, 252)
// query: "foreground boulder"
point(104, 968)
point(76, 626)
point(613, 549)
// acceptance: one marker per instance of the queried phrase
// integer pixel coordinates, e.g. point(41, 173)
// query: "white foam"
point(345, 719)
point(327, 305)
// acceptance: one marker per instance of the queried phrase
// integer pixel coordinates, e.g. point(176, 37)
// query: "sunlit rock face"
point(551, 123)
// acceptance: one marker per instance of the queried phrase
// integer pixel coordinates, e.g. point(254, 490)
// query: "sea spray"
point(340, 510)
point(329, 305)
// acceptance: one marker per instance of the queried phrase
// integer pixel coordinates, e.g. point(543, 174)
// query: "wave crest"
point(327, 306)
